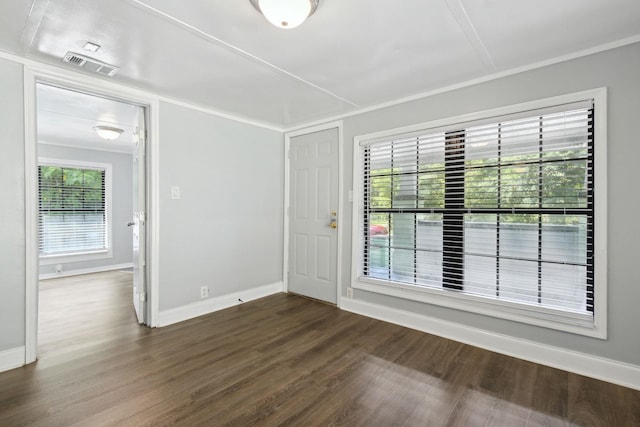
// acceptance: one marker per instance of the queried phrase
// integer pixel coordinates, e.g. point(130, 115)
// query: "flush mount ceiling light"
point(286, 13)
point(107, 132)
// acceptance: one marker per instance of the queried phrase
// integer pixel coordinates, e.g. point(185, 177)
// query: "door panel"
point(313, 243)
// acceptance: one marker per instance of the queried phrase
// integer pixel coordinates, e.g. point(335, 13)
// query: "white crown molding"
point(612, 371)
point(506, 73)
point(292, 128)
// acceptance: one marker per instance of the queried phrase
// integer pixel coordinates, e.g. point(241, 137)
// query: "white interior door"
point(139, 220)
point(314, 216)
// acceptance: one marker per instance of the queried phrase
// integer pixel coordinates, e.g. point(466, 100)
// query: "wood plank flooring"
point(281, 360)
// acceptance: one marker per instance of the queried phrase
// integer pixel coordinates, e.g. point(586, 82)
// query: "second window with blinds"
point(74, 210)
point(497, 212)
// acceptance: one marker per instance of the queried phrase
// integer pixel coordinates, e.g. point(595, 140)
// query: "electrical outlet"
point(349, 292)
point(204, 292)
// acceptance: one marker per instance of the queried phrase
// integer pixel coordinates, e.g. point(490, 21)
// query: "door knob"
point(129, 224)
point(332, 224)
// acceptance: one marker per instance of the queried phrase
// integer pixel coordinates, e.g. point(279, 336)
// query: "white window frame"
point(89, 255)
point(553, 319)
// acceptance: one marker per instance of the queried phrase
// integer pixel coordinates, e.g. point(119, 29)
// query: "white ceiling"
point(351, 54)
point(67, 118)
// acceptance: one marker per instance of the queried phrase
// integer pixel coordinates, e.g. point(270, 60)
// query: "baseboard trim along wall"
point(572, 361)
point(12, 358)
point(86, 271)
point(210, 305)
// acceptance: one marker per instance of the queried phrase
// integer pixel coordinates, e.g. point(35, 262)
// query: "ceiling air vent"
point(90, 64)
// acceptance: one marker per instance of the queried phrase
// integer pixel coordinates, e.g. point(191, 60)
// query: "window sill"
point(553, 319)
point(75, 257)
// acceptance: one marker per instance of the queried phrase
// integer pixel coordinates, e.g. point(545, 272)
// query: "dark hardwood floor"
point(281, 360)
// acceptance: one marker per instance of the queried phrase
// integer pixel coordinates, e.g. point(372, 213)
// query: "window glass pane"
point(405, 193)
point(480, 243)
point(564, 286)
point(480, 234)
point(518, 280)
point(380, 191)
point(480, 275)
point(519, 185)
point(564, 184)
point(405, 156)
point(429, 250)
point(481, 187)
point(565, 135)
point(564, 238)
point(519, 236)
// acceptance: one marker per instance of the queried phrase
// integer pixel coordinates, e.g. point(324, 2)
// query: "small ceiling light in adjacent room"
point(91, 47)
point(286, 13)
point(107, 132)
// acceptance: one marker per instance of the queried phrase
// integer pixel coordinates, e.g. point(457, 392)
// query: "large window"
point(500, 209)
point(73, 209)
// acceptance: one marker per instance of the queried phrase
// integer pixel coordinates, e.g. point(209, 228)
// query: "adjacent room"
point(312, 212)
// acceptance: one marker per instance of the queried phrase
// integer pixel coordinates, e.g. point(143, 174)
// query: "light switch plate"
point(175, 192)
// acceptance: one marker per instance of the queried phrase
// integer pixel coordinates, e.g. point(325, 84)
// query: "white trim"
point(495, 76)
point(544, 318)
point(72, 74)
point(12, 358)
point(39, 73)
point(152, 122)
point(79, 272)
point(108, 186)
point(609, 370)
point(210, 305)
point(287, 186)
point(220, 114)
point(31, 217)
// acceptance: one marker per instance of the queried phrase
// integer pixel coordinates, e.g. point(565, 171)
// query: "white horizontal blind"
point(72, 213)
point(500, 209)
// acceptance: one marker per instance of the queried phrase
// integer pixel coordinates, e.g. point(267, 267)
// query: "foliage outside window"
point(500, 209)
point(72, 210)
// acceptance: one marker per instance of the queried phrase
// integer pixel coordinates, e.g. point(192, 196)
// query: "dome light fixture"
point(286, 14)
point(107, 132)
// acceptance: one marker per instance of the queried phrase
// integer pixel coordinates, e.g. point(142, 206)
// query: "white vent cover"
point(90, 64)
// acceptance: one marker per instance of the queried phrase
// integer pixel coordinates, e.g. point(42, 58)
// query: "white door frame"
point(34, 74)
point(287, 186)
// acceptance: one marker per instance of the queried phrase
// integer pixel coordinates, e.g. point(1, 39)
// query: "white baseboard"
point(612, 371)
point(86, 271)
point(12, 358)
point(209, 305)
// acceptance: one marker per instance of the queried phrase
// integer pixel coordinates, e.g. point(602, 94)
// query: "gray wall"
point(226, 230)
point(122, 199)
point(12, 221)
point(619, 70)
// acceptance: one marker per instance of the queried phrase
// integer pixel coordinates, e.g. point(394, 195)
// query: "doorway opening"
point(91, 198)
